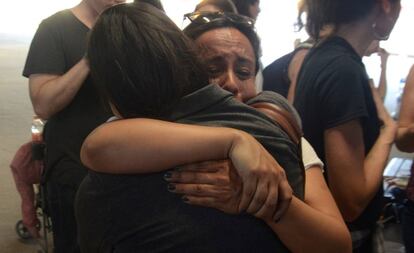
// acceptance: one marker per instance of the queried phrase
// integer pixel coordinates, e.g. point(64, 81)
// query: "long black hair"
point(141, 61)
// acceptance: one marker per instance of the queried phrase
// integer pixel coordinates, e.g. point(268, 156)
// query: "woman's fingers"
point(206, 166)
point(284, 199)
point(201, 190)
point(248, 191)
point(217, 174)
point(201, 201)
point(191, 177)
point(259, 198)
point(268, 209)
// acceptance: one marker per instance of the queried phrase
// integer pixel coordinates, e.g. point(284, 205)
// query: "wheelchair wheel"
point(22, 231)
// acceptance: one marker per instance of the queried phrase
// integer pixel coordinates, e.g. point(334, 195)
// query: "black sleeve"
point(341, 93)
point(46, 55)
point(275, 75)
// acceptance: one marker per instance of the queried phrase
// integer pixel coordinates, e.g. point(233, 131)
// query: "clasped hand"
point(252, 181)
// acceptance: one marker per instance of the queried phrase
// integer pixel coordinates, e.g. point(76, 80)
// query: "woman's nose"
point(229, 83)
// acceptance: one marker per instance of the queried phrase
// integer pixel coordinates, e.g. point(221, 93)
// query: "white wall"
point(275, 25)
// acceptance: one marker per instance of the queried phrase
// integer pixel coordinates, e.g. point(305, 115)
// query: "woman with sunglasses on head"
point(349, 128)
point(219, 184)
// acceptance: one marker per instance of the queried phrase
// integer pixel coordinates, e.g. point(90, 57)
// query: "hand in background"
point(389, 124)
point(383, 54)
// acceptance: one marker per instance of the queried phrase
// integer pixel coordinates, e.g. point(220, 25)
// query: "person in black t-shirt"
point(349, 127)
point(281, 75)
point(61, 92)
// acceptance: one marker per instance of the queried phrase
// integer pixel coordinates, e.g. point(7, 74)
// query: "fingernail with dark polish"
point(277, 220)
point(171, 187)
point(167, 175)
point(185, 199)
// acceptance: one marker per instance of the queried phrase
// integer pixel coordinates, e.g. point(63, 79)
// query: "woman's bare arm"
point(146, 145)
point(319, 222)
point(354, 178)
point(313, 224)
point(131, 146)
point(405, 136)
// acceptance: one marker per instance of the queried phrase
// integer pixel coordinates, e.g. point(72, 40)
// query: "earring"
point(376, 34)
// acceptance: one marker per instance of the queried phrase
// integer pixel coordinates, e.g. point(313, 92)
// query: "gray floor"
point(15, 119)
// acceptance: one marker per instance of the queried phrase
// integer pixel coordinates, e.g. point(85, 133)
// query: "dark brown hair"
point(243, 6)
point(223, 5)
point(155, 3)
point(141, 61)
point(334, 12)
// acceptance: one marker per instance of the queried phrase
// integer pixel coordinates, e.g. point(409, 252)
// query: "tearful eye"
point(244, 73)
point(213, 71)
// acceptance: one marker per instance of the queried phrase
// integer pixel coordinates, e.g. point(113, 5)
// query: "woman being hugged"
point(344, 120)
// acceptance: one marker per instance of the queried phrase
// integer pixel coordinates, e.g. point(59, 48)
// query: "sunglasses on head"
point(203, 17)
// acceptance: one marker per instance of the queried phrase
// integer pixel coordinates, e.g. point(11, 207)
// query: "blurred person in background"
point(343, 118)
point(383, 54)
point(249, 8)
point(216, 6)
point(62, 93)
point(281, 75)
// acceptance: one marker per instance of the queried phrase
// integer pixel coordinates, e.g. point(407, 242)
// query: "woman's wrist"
point(238, 138)
point(388, 132)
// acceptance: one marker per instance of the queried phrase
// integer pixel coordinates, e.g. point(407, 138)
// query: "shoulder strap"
point(282, 117)
point(288, 123)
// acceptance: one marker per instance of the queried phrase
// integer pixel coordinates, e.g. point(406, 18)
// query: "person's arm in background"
point(51, 93)
point(405, 136)
point(135, 146)
point(382, 85)
point(353, 177)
